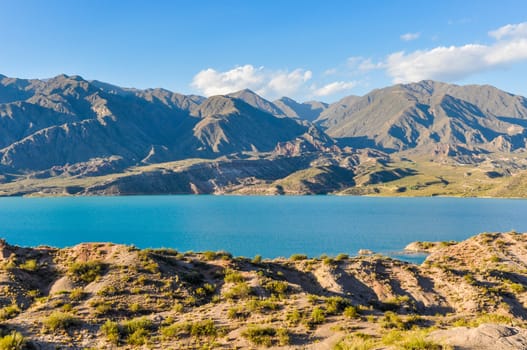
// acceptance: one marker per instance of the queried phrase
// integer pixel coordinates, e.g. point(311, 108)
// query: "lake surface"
point(246, 226)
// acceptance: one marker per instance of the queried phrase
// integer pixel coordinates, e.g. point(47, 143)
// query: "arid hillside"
point(103, 296)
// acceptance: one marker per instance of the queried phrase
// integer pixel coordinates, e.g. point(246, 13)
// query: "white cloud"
point(263, 81)
point(367, 65)
point(286, 84)
point(359, 64)
point(457, 62)
point(410, 36)
point(330, 71)
point(354, 61)
point(510, 30)
point(211, 82)
point(335, 87)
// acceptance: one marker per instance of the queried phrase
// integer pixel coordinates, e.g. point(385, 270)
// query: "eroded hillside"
point(102, 295)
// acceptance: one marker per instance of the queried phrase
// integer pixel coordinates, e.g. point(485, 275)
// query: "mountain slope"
point(68, 120)
point(67, 135)
point(258, 102)
point(310, 110)
point(431, 116)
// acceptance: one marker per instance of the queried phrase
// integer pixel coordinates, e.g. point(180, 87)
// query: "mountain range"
point(68, 135)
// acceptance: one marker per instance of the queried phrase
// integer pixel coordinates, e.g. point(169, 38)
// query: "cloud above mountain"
point(505, 46)
point(267, 82)
point(335, 87)
point(450, 63)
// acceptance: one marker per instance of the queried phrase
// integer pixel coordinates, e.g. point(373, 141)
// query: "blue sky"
point(321, 50)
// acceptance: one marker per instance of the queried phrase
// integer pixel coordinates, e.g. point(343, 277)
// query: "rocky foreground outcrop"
point(103, 295)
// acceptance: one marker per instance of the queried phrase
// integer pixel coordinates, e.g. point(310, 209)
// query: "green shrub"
point(341, 257)
point(410, 340)
point(396, 303)
point(259, 335)
point(203, 328)
point(138, 337)
point(351, 311)
point(494, 259)
point(313, 299)
point(356, 342)
point(206, 290)
point(60, 320)
point(317, 316)
point(418, 342)
point(135, 307)
point(151, 266)
point(516, 287)
point(336, 305)
point(86, 271)
point(283, 336)
point(293, 317)
point(13, 341)
point(77, 294)
point(233, 277)
point(107, 291)
point(240, 290)
point(256, 305)
point(178, 307)
point(237, 312)
point(8, 312)
point(175, 330)
point(328, 261)
point(102, 307)
point(29, 265)
point(257, 259)
point(209, 255)
point(110, 330)
point(392, 320)
point(133, 325)
point(278, 288)
point(469, 279)
point(298, 257)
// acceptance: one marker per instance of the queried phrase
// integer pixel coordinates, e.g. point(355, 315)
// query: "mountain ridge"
point(67, 125)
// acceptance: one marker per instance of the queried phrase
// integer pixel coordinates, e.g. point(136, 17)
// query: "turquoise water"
point(246, 226)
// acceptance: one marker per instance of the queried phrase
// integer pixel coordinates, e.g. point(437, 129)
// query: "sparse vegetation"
point(240, 290)
point(233, 277)
point(298, 257)
point(60, 320)
point(8, 312)
point(358, 341)
point(110, 330)
point(86, 271)
point(193, 303)
point(29, 265)
point(276, 288)
point(13, 341)
point(77, 294)
point(204, 328)
point(266, 336)
point(336, 305)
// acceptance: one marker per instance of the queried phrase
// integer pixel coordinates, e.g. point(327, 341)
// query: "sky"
point(307, 50)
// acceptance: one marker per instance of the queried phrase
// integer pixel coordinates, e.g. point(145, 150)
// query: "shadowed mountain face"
point(310, 110)
point(431, 117)
point(68, 120)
